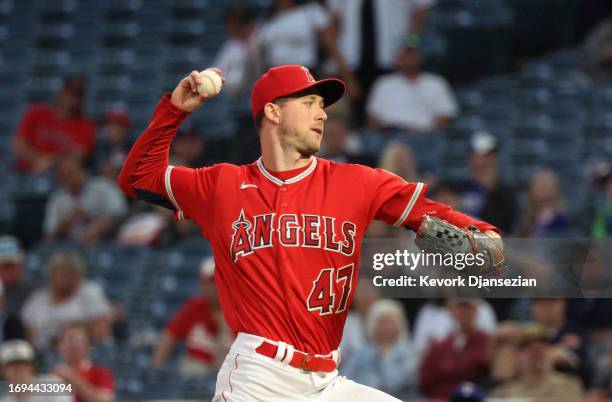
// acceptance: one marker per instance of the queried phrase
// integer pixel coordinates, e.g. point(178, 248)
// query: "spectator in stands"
point(461, 356)
point(602, 378)
point(340, 144)
point(67, 298)
point(153, 226)
point(396, 157)
point(16, 288)
point(189, 148)
point(11, 326)
point(238, 57)
point(410, 99)
point(535, 375)
point(448, 193)
point(48, 131)
point(199, 323)
point(17, 361)
point(544, 211)
point(467, 392)
point(502, 349)
point(113, 143)
point(602, 225)
point(90, 381)
point(597, 52)
point(486, 196)
point(368, 32)
point(84, 209)
point(569, 342)
point(386, 361)
point(434, 322)
point(354, 339)
point(293, 33)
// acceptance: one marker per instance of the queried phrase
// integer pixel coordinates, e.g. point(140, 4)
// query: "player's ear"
point(272, 112)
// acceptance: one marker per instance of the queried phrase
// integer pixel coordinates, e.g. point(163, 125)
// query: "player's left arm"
point(445, 212)
point(404, 204)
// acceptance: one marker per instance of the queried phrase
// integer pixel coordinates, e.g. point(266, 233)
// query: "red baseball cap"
point(286, 80)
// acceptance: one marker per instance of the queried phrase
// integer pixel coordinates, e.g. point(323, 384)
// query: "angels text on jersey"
point(291, 230)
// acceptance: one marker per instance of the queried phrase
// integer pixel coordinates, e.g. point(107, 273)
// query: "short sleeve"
point(190, 190)
point(392, 198)
point(446, 104)
point(31, 308)
point(95, 302)
point(318, 15)
point(376, 99)
point(181, 322)
point(114, 202)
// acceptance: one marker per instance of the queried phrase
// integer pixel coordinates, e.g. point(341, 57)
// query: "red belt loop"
point(300, 360)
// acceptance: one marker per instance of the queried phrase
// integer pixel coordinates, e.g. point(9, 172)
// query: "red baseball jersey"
point(42, 129)
point(194, 323)
point(287, 244)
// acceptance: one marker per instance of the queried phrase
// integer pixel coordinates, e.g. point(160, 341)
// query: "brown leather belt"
point(300, 360)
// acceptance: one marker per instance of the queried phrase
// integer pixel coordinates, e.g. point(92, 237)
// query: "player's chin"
point(310, 149)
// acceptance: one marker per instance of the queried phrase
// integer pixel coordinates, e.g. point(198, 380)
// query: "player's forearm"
point(145, 165)
point(445, 212)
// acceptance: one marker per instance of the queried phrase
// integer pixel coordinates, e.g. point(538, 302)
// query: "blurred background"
point(503, 106)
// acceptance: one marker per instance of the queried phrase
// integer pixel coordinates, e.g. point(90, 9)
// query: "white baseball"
point(211, 82)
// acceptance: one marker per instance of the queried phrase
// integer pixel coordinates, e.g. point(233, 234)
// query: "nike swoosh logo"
point(245, 186)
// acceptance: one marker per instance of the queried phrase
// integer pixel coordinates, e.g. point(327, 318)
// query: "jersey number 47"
point(331, 290)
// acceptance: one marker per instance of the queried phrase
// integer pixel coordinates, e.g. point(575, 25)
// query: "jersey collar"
point(292, 180)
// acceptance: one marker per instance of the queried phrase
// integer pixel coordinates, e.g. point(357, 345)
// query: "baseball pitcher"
point(285, 231)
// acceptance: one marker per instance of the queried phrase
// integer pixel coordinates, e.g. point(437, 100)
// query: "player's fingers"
point(194, 80)
point(203, 96)
point(218, 71)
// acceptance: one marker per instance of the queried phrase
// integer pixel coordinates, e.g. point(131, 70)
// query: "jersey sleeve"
point(400, 203)
point(147, 175)
point(392, 198)
point(189, 189)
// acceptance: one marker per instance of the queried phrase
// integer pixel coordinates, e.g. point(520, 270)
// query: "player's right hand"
point(185, 96)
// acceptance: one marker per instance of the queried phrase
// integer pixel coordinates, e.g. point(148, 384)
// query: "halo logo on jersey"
point(291, 230)
point(241, 239)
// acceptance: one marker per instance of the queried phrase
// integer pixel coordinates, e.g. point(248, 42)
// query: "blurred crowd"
point(412, 349)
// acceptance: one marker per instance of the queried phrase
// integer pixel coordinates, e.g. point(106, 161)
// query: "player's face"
point(302, 123)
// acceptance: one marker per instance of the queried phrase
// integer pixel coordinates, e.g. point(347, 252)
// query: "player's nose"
point(321, 115)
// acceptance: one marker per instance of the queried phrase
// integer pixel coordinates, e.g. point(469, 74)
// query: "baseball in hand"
point(211, 82)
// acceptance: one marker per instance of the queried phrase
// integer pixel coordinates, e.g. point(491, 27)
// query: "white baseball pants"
point(247, 376)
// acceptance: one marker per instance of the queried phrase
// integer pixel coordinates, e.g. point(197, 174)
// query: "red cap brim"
point(331, 89)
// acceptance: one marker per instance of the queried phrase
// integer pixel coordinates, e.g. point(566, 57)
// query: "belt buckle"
point(308, 355)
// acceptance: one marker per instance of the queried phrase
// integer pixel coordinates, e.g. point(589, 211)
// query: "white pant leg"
point(344, 390)
point(247, 376)
point(255, 378)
